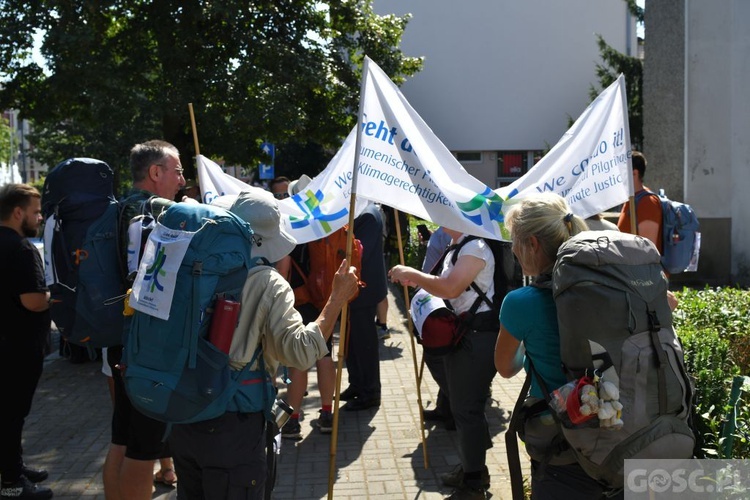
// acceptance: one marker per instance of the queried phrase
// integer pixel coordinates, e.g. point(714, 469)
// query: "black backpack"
point(508, 274)
point(83, 268)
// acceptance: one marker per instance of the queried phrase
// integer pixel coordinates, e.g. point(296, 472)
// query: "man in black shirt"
point(24, 303)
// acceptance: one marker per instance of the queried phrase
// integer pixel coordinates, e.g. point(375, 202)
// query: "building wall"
point(696, 123)
point(506, 75)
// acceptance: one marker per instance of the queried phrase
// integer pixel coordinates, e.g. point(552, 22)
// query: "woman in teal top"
point(538, 225)
point(529, 315)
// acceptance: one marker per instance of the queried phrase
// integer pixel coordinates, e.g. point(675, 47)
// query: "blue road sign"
point(266, 171)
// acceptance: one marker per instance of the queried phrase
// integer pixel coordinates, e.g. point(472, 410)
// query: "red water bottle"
point(223, 323)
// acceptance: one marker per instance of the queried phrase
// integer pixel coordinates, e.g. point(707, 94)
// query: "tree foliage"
point(5, 132)
point(613, 64)
point(122, 71)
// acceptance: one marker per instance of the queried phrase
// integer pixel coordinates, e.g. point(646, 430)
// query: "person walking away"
point(528, 328)
point(469, 369)
point(226, 457)
point(362, 352)
point(648, 211)
point(24, 303)
point(137, 440)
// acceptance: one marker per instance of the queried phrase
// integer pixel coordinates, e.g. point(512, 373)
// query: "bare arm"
point(448, 286)
point(649, 229)
point(509, 354)
point(36, 301)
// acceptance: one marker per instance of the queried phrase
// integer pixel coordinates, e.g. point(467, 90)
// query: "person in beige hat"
point(226, 457)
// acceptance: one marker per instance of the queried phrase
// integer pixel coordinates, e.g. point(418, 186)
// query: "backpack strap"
point(482, 297)
point(661, 355)
point(511, 442)
point(638, 198)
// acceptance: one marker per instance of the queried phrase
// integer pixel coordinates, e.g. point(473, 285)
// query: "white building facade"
point(503, 80)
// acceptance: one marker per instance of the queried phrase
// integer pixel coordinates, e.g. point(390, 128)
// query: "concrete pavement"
point(379, 453)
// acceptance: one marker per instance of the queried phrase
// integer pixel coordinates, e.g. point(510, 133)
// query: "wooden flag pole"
point(417, 371)
point(343, 335)
point(195, 130)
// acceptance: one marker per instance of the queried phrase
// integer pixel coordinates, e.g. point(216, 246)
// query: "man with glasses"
point(279, 187)
point(136, 439)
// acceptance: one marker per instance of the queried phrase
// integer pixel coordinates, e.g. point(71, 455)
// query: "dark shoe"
point(466, 492)
point(455, 478)
point(291, 430)
point(34, 475)
point(362, 404)
point(348, 394)
point(23, 488)
point(325, 422)
point(434, 415)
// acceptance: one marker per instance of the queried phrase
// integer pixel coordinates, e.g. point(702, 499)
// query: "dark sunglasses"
point(280, 196)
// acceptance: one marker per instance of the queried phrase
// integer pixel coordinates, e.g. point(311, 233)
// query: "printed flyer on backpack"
point(154, 284)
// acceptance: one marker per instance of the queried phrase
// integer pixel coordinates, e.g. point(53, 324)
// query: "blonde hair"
point(546, 216)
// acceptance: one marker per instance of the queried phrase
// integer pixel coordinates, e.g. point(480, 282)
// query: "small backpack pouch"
point(541, 434)
point(439, 329)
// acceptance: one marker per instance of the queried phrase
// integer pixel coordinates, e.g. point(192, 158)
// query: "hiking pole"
point(410, 327)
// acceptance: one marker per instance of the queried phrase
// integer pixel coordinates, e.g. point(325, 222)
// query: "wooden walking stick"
point(417, 370)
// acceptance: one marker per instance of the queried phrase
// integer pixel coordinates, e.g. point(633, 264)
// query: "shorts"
point(143, 437)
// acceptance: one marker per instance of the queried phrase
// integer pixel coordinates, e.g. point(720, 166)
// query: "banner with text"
point(401, 163)
point(316, 211)
point(590, 166)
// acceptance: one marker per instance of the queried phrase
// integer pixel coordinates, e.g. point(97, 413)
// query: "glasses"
point(178, 170)
point(280, 196)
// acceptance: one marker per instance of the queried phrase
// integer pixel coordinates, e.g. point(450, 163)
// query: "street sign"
point(266, 171)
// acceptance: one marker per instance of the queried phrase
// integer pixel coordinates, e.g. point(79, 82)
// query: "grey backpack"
point(615, 323)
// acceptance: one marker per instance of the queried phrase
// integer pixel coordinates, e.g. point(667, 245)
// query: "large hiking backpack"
point(320, 260)
point(195, 255)
point(616, 328)
point(83, 268)
point(680, 236)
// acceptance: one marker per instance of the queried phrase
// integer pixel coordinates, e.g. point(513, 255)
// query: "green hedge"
point(714, 327)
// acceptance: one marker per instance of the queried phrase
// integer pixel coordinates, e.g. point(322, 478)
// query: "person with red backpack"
point(310, 270)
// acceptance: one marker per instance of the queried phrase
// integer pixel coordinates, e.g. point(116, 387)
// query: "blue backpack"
point(82, 261)
point(679, 233)
point(172, 372)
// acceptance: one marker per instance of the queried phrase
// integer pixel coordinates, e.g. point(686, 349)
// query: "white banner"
point(214, 182)
point(154, 284)
point(401, 163)
point(316, 211)
point(590, 166)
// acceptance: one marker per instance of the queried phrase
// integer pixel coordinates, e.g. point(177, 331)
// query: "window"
point(469, 156)
point(513, 164)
